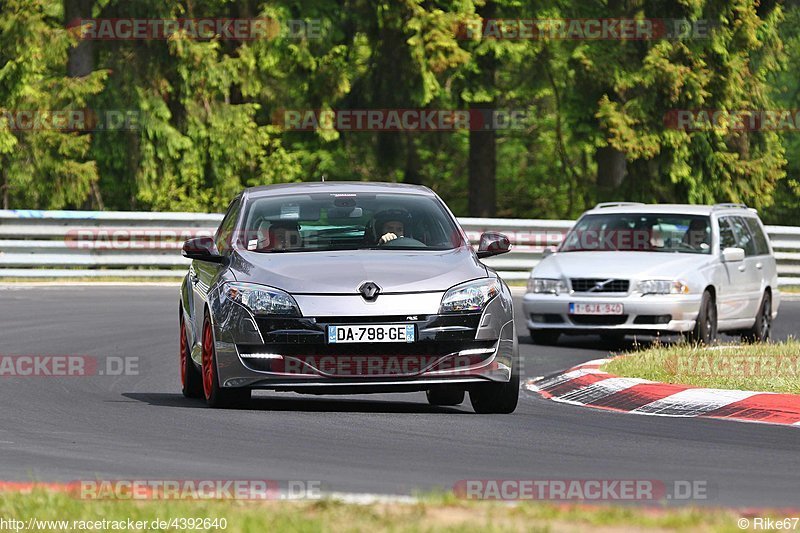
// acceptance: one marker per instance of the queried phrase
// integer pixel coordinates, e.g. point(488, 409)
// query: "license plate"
point(371, 333)
point(596, 309)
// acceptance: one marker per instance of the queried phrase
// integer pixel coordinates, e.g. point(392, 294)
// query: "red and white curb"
point(589, 386)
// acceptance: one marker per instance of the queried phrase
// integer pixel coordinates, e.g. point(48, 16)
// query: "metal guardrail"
point(64, 244)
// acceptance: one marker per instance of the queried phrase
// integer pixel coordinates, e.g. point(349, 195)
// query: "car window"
point(225, 231)
point(744, 239)
point(727, 238)
point(761, 242)
point(344, 221)
point(640, 232)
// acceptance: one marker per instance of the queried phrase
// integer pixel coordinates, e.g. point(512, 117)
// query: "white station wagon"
point(627, 268)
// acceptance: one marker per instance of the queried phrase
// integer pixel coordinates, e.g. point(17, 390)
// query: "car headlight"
point(470, 296)
point(663, 286)
point(261, 300)
point(546, 286)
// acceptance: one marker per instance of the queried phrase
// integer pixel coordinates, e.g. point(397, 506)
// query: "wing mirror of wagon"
point(732, 255)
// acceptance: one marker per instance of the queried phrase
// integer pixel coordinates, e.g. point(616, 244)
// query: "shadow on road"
point(326, 404)
point(596, 342)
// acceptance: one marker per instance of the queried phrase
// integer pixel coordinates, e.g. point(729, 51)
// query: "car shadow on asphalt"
point(594, 342)
point(324, 404)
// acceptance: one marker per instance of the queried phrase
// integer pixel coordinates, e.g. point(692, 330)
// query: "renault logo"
point(369, 290)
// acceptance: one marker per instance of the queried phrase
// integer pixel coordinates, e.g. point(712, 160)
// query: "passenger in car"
point(698, 234)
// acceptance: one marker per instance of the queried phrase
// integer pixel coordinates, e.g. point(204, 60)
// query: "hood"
point(621, 265)
point(343, 272)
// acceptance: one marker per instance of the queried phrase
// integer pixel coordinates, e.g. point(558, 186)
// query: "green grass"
point(433, 513)
point(757, 367)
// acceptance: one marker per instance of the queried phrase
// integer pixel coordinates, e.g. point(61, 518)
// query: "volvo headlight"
point(470, 296)
point(663, 286)
point(546, 286)
point(261, 300)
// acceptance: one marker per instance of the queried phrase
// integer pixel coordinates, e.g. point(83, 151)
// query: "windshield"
point(639, 232)
point(340, 221)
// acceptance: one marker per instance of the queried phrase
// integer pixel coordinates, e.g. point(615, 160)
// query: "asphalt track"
point(139, 426)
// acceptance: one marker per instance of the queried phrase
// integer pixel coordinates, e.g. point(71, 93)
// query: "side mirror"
point(493, 244)
point(548, 251)
point(732, 255)
point(202, 249)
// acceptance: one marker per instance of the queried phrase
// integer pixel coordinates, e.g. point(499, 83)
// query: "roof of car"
point(685, 209)
point(338, 187)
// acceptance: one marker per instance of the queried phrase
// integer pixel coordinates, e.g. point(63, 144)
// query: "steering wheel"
point(404, 242)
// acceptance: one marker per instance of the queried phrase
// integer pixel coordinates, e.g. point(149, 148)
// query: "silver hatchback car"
point(336, 287)
point(657, 269)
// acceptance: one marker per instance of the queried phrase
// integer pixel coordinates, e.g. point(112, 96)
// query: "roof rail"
point(729, 206)
point(615, 204)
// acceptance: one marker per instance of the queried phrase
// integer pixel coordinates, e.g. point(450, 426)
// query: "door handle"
point(759, 265)
point(742, 268)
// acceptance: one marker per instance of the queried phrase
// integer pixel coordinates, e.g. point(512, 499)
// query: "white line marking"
point(595, 362)
point(368, 499)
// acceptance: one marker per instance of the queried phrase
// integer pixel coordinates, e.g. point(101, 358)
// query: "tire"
point(445, 395)
point(191, 380)
point(215, 395)
point(763, 325)
point(497, 398)
point(545, 337)
point(705, 330)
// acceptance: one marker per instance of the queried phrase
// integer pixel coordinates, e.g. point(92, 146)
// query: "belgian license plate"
point(371, 333)
point(596, 309)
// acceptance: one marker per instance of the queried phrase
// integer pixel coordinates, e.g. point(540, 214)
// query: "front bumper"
point(293, 353)
point(669, 313)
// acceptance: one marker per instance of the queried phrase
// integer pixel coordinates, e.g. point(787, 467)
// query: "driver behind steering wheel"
point(391, 225)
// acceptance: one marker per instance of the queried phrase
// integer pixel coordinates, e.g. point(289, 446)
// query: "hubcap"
point(208, 360)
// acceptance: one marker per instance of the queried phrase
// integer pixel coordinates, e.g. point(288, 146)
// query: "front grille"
point(607, 285)
point(598, 320)
point(460, 327)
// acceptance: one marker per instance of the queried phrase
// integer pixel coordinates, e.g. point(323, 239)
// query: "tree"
point(43, 159)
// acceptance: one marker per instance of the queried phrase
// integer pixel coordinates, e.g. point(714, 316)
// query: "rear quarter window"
point(760, 239)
